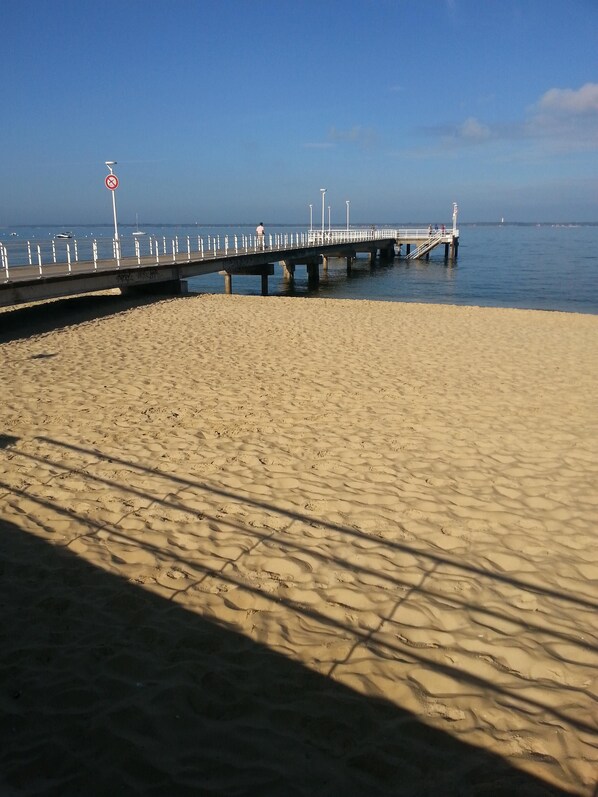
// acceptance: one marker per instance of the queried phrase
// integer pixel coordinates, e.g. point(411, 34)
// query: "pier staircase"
point(427, 246)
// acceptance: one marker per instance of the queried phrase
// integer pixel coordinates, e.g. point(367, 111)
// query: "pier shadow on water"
point(110, 689)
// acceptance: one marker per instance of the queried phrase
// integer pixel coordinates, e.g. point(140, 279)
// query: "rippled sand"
point(273, 546)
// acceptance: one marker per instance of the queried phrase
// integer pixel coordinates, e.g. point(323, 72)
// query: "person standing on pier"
point(260, 231)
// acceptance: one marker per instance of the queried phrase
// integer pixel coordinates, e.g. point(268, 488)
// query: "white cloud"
point(566, 118)
point(567, 101)
point(472, 130)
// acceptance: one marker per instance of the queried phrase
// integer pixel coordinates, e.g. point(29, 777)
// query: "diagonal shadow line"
point(330, 558)
point(290, 544)
point(335, 527)
point(452, 672)
point(371, 634)
point(252, 720)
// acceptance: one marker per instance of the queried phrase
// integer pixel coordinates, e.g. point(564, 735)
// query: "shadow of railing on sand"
point(293, 515)
point(90, 528)
point(359, 637)
point(109, 687)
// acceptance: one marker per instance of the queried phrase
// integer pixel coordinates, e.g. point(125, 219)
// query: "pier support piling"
point(288, 270)
point(454, 247)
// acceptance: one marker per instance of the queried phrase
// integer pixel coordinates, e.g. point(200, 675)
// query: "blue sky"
point(234, 111)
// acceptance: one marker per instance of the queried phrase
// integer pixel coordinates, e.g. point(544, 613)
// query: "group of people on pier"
point(442, 229)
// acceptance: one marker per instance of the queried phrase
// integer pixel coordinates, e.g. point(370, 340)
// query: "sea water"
point(544, 267)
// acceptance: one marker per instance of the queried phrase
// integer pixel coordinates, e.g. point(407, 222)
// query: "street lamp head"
point(110, 163)
point(323, 190)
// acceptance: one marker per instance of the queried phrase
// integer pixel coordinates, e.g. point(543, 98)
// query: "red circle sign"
point(111, 182)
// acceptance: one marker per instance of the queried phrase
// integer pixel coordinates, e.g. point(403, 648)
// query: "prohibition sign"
point(111, 182)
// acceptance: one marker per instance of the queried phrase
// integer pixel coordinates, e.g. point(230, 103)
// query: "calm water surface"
point(544, 267)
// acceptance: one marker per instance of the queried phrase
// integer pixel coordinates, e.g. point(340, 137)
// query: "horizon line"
point(299, 224)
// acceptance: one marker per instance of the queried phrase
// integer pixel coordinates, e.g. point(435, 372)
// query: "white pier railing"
point(401, 235)
point(91, 254)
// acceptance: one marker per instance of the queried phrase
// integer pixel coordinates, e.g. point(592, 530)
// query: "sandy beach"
point(274, 546)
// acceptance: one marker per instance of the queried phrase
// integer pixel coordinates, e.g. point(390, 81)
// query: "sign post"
point(111, 183)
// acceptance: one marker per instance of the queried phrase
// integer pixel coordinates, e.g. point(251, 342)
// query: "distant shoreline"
point(303, 224)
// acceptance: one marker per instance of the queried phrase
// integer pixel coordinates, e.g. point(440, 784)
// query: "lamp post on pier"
point(328, 218)
point(311, 218)
point(347, 202)
point(323, 192)
point(112, 184)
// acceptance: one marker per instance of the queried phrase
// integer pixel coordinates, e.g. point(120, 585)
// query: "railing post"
point(188, 248)
point(118, 253)
point(53, 250)
point(175, 242)
point(157, 251)
point(39, 259)
point(94, 248)
point(68, 258)
point(76, 250)
point(164, 244)
point(5, 260)
point(236, 244)
point(201, 247)
point(137, 252)
point(29, 252)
